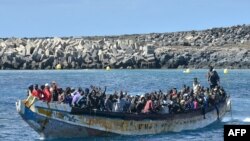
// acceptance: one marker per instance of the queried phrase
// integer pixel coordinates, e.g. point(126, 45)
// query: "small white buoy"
point(225, 71)
point(107, 68)
point(58, 66)
point(187, 71)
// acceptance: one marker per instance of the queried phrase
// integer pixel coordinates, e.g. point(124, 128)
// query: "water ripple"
point(13, 128)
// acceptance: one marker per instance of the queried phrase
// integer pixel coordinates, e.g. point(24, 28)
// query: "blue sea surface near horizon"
point(14, 86)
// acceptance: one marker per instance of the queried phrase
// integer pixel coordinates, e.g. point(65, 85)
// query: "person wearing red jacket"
point(36, 92)
point(149, 107)
point(47, 93)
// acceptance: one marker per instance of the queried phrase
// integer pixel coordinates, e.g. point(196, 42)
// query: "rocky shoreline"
point(221, 47)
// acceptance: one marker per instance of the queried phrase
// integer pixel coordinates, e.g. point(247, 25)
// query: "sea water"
point(13, 86)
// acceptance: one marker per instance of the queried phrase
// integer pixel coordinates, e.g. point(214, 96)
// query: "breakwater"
point(226, 47)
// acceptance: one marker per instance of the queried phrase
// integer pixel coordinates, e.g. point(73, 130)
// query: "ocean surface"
point(13, 86)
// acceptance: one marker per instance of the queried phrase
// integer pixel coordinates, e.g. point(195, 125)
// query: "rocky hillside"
point(222, 47)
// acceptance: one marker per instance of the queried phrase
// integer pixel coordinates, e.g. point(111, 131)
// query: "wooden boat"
point(61, 120)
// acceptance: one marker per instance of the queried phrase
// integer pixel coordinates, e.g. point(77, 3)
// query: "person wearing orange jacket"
point(47, 93)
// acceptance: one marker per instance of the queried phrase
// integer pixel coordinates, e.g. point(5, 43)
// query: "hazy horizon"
point(63, 18)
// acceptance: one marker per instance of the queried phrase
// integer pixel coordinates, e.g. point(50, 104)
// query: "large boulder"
point(58, 53)
point(18, 62)
point(30, 47)
point(148, 50)
point(21, 50)
point(7, 62)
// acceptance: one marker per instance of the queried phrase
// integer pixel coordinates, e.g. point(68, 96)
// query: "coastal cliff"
point(221, 47)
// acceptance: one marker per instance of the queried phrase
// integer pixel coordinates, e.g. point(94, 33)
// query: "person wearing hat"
point(47, 93)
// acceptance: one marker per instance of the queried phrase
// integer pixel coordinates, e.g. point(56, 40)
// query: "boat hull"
point(57, 120)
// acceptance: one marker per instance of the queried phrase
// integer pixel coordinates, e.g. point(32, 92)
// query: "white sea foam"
point(226, 119)
point(246, 119)
point(239, 119)
point(42, 138)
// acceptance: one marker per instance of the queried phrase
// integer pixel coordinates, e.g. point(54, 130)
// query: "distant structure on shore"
point(221, 47)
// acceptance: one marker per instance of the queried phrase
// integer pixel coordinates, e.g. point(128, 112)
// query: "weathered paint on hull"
point(49, 127)
point(55, 120)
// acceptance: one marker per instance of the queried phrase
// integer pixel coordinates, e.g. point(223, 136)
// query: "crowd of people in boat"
point(174, 101)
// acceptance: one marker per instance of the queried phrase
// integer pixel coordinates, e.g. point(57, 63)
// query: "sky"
point(62, 18)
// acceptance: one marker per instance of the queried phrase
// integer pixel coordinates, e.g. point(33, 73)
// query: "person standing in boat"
point(213, 78)
point(54, 91)
point(196, 86)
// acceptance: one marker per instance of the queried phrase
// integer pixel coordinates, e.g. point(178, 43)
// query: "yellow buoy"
point(107, 68)
point(225, 71)
point(187, 71)
point(58, 66)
